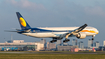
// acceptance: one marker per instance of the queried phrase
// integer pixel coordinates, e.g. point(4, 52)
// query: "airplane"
point(56, 33)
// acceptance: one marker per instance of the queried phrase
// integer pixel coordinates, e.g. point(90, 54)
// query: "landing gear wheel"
point(92, 38)
point(66, 40)
point(53, 41)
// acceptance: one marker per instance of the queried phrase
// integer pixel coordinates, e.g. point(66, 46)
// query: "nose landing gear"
point(92, 39)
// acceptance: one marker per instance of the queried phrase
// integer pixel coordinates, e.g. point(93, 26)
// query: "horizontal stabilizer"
point(10, 31)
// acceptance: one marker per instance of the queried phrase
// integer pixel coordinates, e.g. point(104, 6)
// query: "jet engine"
point(81, 35)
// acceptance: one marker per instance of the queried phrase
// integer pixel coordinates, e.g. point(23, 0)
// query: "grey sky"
point(52, 13)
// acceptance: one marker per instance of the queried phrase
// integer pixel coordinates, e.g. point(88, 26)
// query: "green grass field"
point(51, 56)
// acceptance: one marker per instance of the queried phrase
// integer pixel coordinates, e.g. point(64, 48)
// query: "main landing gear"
point(66, 40)
point(53, 41)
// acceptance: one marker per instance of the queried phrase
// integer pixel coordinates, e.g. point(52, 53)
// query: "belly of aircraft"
point(40, 35)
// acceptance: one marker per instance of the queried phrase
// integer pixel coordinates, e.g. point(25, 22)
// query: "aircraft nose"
point(97, 32)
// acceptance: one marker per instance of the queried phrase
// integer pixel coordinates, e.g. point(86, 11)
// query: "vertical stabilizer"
point(24, 25)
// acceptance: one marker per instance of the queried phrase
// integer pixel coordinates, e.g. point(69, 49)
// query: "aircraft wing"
point(76, 30)
point(79, 29)
point(66, 35)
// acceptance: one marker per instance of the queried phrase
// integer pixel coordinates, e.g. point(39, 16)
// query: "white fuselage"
point(89, 31)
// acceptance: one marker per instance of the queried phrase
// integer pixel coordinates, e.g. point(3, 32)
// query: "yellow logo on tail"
point(22, 21)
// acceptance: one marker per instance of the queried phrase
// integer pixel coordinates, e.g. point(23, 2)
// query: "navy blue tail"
point(24, 25)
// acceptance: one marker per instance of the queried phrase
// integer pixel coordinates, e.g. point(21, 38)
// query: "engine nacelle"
point(81, 35)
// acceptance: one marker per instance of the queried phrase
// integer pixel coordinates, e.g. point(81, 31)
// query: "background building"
point(21, 45)
point(59, 42)
point(43, 41)
point(51, 46)
point(90, 44)
point(66, 48)
point(96, 44)
point(15, 41)
point(81, 44)
point(103, 43)
point(74, 42)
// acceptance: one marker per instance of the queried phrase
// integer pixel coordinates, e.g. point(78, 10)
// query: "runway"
point(32, 52)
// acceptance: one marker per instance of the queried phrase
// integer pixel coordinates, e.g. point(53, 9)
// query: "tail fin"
point(24, 25)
